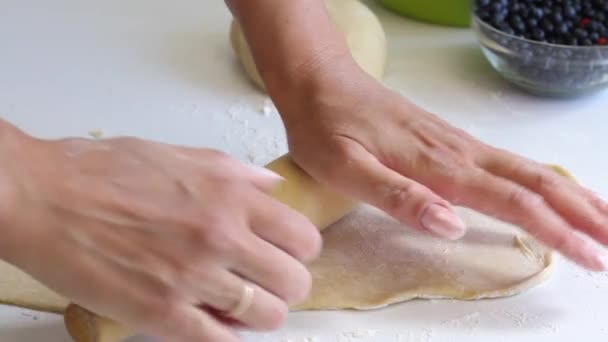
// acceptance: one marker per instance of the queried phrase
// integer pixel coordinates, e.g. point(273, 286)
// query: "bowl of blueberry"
point(548, 47)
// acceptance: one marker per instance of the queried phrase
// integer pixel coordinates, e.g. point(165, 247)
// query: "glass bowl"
point(543, 68)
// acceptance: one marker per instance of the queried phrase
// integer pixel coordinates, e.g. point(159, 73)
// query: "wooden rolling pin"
point(299, 191)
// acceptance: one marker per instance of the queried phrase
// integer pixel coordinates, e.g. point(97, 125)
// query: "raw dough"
point(370, 261)
point(363, 31)
point(18, 288)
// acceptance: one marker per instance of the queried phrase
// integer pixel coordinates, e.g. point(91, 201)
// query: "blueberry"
point(536, 12)
point(557, 17)
point(531, 23)
point(562, 29)
point(547, 25)
point(496, 7)
point(514, 7)
point(580, 33)
point(570, 22)
point(569, 11)
point(538, 34)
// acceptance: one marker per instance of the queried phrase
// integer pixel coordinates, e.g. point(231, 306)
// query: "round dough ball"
point(364, 34)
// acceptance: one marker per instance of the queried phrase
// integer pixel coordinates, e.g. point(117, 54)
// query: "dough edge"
point(392, 299)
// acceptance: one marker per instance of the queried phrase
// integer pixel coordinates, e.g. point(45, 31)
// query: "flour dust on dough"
point(19, 289)
point(370, 261)
point(360, 26)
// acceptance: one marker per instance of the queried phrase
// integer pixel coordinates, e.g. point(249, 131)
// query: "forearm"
point(293, 42)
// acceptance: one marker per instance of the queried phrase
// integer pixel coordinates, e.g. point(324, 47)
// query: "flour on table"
point(268, 108)
point(96, 133)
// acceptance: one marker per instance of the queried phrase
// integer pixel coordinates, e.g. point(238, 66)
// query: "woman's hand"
point(353, 134)
point(162, 238)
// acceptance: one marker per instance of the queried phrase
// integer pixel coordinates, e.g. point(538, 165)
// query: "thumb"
point(411, 203)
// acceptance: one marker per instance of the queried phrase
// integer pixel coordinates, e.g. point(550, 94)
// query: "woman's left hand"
point(357, 137)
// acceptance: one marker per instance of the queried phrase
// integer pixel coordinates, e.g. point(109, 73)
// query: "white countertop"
point(164, 70)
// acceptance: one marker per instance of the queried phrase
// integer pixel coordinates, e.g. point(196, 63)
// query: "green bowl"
point(442, 12)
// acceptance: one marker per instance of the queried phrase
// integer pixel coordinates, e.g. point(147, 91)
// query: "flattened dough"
point(18, 288)
point(364, 34)
point(370, 261)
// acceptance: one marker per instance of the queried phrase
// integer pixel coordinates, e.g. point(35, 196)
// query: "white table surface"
point(164, 70)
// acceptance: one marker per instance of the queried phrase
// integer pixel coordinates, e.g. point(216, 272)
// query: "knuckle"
point(217, 234)
point(157, 314)
point(395, 198)
point(343, 159)
point(308, 245)
point(314, 245)
point(224, 243)
point(562, 242)
point(545, 182)
point(597, 221)
point(197, 234)
point(523, 198)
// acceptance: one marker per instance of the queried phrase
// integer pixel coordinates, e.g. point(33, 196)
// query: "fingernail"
point(601, 259)
point(443, 222)
point(264, 172)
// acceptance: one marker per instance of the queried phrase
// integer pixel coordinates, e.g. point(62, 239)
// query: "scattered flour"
point(358, 334)
point(96, 133)
point(468, 323)
point(261, 145)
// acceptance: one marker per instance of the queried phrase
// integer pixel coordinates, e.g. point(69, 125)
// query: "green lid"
point(443, 12)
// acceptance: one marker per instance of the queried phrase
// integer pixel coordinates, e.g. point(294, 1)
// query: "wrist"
point(314, 92)
point(298, 91)
point(13, 147)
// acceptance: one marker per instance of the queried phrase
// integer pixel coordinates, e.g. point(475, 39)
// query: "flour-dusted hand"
point(355, 135)
point(160, 237)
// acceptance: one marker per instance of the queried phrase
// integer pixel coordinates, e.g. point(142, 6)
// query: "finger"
point(222, 291)
point(188, 323)
point(574, 203)
point(514, 203)
point(366, 178)
point(263, 178)
point(285, 228)
point(148, 309)
point(272, 269)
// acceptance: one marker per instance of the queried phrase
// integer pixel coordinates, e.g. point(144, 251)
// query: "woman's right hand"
point(159, 237)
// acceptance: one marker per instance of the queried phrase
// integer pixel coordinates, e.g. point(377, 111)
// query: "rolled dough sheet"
point(370, 261)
